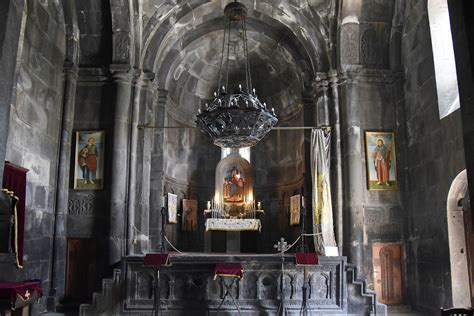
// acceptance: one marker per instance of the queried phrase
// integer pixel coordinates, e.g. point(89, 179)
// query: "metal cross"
point(281, 246)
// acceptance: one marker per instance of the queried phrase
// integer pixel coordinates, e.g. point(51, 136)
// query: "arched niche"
point(459, 227)
point(234, 181)
point(443, 57)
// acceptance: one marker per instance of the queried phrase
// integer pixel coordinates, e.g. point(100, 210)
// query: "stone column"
point(140, 161)
point(310, 113)
point(336, 160)
point(321, 100)
point(59, 248)
point(157, 171)
point(124, 78)
point(326, 99)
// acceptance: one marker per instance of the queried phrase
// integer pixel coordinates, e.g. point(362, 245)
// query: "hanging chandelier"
point(235, 119)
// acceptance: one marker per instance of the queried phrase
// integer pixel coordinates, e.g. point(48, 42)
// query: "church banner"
point(322, 206)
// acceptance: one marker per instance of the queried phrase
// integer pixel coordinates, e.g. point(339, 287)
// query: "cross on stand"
point(163, 248)
point(282, 247)
point(302, 247)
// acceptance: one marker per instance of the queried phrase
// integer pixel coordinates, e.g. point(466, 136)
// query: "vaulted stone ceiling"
point(289, 41)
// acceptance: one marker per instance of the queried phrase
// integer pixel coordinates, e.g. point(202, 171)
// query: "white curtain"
point(321, 193)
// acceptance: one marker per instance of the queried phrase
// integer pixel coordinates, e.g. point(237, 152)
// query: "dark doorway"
point(81, 267)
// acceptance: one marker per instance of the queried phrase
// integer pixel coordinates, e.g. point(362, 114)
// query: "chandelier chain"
point(222, 61)
point(228, 55)
point(248, 75)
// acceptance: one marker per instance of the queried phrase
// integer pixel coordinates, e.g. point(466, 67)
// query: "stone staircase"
point(365, 292)
point(108, 301)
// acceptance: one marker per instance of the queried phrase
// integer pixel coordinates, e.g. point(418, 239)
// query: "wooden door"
point(81, 267)
point(387, 263)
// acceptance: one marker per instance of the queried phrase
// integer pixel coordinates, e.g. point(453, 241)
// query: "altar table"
point(233, 224)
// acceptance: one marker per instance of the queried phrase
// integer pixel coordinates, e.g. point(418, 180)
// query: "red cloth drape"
point(11, 290)
point(157, 259)
point(306, 259)
point(228, 269)
point(14, 179)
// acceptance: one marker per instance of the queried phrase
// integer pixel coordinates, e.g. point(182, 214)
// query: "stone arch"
point(443, 57)
point(178, 35)
point(458, 209)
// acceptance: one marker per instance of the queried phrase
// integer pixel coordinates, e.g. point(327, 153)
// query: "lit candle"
point(208, 205)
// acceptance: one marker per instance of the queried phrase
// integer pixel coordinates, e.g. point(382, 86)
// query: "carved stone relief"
point(350, 44)
point(82, 204)
point(184, 287)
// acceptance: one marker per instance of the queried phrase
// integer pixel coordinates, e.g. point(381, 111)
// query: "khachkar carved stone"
point(81, 204)
point(350, 44)
point(387, 273)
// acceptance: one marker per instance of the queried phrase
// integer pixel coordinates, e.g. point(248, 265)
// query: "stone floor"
point(404, 310)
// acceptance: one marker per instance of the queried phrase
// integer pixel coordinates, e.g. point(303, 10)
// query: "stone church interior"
point(250, 157)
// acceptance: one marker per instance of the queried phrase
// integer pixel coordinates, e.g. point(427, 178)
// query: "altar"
point(188, 284)
point(233, 209)
point(233, 224)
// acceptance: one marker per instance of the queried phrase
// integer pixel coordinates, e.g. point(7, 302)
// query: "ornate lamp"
point(235, 119)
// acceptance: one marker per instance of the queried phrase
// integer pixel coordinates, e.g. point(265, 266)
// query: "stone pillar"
point(321, 100)
point(59, 248)
point(336, 160)
point(326, 113)
point(157, 171)
point(352, 158)
point(310, 112)
point(140, 161)
point(124, 78)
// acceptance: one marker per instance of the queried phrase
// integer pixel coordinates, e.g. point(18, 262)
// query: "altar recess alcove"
point(234, 182)
point(234, 193)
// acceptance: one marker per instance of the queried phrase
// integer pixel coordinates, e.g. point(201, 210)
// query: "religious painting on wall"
point(89, 160)
point(381, 161)
point(234, 184)
point(189, 218)
point(172, 208)
point(295, 207)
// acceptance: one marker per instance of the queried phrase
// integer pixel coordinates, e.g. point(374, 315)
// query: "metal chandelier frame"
point(235, 119)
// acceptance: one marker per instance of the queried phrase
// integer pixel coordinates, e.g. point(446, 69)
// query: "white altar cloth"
point(233, 224)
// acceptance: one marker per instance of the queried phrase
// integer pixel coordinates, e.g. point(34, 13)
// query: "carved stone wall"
point(188, 285)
